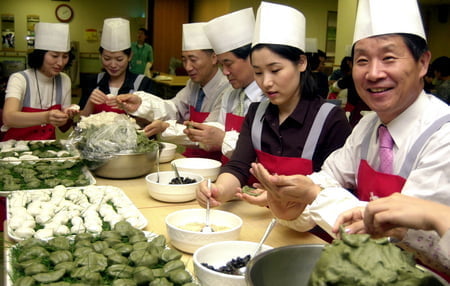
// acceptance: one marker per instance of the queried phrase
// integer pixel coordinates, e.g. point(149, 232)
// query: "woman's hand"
point(56, 117)
point(260, 199)
point(203, 193)
point(98, 97)
point(295, 188)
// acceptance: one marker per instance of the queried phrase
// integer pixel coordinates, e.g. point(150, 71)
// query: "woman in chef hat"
point(37, 99)
point(295, 130)
point(115, 55)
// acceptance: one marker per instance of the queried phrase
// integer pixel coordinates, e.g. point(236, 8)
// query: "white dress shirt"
point(429, 178)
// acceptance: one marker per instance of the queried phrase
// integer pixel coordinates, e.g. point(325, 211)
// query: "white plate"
point(86, 172)
point(139, 222)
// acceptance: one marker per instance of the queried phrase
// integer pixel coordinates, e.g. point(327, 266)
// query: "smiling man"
point(198, 101)
point(390, 59)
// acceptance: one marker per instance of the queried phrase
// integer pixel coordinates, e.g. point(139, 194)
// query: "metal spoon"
point(176, 173)
point(157, 164)
point(269, 228)
point(207, 227)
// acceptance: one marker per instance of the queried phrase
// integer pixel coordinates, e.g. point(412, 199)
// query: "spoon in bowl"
point(177, 174)
point(157, 164)
point(269, 228)
point(207, 228)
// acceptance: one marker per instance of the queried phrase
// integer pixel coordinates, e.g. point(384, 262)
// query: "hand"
point(259, 200)
point(56, 117)
point(98, 97)
point(203, 193)
point(400, 210)
point(72, 110)
point(128, 102)
point(210, 137)
point(156, 127)
point(352, 220)
point(295, 188)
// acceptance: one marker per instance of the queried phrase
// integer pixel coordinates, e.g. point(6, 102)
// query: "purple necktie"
point(385, 151)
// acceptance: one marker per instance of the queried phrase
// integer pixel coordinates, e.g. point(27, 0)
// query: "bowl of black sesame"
point(218, 263)
point(166, 187)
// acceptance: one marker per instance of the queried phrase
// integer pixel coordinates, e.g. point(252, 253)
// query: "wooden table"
point(168, 85)
point(255, 219)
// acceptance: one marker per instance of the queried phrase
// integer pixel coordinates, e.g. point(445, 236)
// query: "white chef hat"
point(52, 37)
point(194, 37)
point(279, 24)
point(231, 31)
point(379, 17)
point(310, 45)
point(116, 34)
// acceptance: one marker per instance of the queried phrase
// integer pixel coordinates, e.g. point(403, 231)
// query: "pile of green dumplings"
point(122, 256)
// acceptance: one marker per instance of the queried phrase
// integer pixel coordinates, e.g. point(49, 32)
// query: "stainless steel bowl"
point(287, 265)
point(125, 166)
point(291, 265)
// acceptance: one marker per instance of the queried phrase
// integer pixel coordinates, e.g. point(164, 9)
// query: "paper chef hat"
point(311, 45)
point(194, 37)
point(52, 37)
point(116, 34)
point(231, 31)
point(279, 24)
point(379, 17)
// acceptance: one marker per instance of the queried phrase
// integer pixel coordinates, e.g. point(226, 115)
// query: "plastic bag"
point(101, 136)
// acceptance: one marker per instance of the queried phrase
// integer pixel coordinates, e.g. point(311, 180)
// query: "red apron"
point(38, 132)
point(232, 122)
point(197, 116)
point(372, 184)
point(302, 165)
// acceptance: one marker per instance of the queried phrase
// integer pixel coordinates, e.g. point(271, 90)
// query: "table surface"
point(255, 218)
point(171, 80)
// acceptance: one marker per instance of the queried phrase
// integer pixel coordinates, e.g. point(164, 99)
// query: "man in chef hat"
point(116, 78)
point(390, 58)
point(198, 101)
point(230, 36)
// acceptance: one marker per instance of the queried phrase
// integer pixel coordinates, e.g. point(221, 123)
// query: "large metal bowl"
point(287, 265)
point(291, 266)
point(126, 166)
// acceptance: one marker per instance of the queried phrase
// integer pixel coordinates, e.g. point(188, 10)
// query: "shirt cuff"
point(329, 204)
point(302, 223)
point(229, 143)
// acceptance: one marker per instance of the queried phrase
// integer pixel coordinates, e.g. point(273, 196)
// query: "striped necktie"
point(200, 97)
point(385, 150)
point(241, 104)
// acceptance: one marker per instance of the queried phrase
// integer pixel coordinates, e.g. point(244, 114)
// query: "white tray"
point(138, 222)
point(86, 172)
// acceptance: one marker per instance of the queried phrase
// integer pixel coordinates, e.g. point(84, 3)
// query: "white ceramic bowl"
point(188, 241)
point(218, 254)
point(208, 168)
point(172, 193)
point(168, 152)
